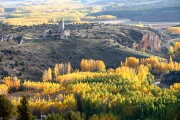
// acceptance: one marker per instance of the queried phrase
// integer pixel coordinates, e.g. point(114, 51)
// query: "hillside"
point(29, 59)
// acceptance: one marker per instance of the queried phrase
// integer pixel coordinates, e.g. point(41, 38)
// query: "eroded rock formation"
point(150, 41)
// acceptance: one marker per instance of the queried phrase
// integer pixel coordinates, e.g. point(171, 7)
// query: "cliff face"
point(138, 38)
point(150, 41)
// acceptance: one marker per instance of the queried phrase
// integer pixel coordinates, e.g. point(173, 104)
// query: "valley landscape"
point(89, 60)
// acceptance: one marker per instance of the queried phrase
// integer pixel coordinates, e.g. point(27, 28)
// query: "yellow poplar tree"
point(49, 74)
point(45, 76)
point(56, 70)
point(171, 50)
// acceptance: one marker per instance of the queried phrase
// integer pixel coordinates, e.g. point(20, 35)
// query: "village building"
point(61, 33)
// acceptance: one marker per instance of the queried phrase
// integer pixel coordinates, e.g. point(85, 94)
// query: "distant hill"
point(142, 10)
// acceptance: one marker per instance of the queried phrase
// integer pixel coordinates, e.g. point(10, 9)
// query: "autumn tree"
point(142, 72)
point(170, 59)
point(47, 75)
point(174, 30)
point(132, 62)
point(92, 65)
point(175, 86)
point(3, 89)
point(100, 66)
point(62, 68)
point(170, 50)
point(177, 48)
point(56, 70)
point(12, 82)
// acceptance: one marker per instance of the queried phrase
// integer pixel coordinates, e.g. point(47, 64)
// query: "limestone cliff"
point(138, 38)
point(145, 39)
point(150, 41)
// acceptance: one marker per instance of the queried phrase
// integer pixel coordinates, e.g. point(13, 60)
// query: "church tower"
point(61, 26)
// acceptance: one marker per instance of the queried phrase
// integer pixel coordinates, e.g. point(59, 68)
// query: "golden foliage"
point(60, 103)
point(45, 87)
point(79, 76)
point(127, 73)
point(26, 21)
point(92, 65)
point(174, 30)
point(11, 82)
point(142, 72)
point(175, 86)
point(171, 50)
point(106, 17)
point(132, 62)
point(62, 68)
point(89, 18)
point(3, 89)
point(160, 64)
point(121, 89)
point(47, 75)
point(176, 46)
point(177, 49)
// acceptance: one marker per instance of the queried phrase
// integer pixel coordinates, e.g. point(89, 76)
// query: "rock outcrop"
point(138, 39)
point(150, 41)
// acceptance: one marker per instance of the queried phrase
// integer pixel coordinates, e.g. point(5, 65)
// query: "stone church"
point(61, 33)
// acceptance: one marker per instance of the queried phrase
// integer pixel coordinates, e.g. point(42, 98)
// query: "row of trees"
point(59, 69)
point(11, 82)
point(47, 75)
point(174, 30)
point(102, 17)
point(21, 19)
point(65, 68)
point(92, 65)
point(153, 63)
point(54, 103)
point(44, 87)
point(63, 72)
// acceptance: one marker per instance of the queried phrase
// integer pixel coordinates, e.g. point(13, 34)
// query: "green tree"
point(24, 112)
point(6, 108)
point(170, 50)
point(68, 116)
point(59, 116)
